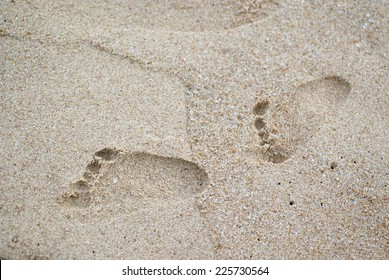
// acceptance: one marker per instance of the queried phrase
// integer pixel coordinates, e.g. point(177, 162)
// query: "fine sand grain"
point(172, 129)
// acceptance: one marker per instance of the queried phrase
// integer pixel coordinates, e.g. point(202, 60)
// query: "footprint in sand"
point(115, 176)
point(197, 16)
point(146, 201)
point(66, 100)
point(284, 126)
point(165, 15)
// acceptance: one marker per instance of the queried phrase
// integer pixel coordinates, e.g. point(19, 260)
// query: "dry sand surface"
point(172, 129)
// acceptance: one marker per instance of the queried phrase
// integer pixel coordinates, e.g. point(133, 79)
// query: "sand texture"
point(172, 129)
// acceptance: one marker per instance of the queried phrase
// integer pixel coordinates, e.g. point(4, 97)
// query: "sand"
point(194, 129)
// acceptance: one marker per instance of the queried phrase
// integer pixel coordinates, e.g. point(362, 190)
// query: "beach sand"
point(194, 129)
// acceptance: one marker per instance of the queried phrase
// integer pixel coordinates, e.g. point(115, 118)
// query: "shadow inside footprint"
point(296, 117)
point(107, 154)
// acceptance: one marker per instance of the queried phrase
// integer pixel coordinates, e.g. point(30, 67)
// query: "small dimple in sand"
point(293, 120)
point(107, 154)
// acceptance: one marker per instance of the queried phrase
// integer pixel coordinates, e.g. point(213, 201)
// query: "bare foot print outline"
point(287, 124)
point(159, 15)
point(147, 200)
point(114, 174)
point(197, 16)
